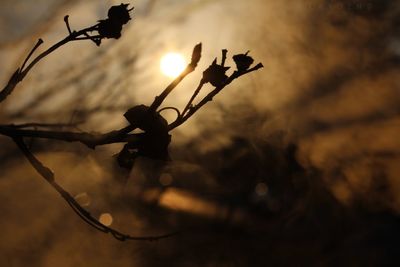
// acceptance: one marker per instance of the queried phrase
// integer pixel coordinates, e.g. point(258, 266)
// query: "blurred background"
point(295, 164)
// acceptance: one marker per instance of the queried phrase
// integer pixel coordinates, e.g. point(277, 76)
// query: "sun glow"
point(172, 64)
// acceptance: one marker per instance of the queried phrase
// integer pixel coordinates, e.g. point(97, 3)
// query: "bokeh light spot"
point(166, 179)
point(106, 219)
point(83, 199)
point(261, 189)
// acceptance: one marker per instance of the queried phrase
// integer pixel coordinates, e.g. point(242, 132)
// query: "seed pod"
point(146, 120)
point(110, 29)
point(215, 74)
point(119, 13)
point(243, 61)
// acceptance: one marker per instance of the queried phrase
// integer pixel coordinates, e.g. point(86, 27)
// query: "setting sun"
point(172, 64)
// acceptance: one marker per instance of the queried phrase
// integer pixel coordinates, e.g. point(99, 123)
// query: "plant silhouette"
point(155, 137)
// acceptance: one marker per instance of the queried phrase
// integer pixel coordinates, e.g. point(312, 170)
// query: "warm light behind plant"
point(172, 64)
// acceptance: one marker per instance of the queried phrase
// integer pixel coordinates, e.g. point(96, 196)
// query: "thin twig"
point(210, 96)
point(39, 42)
point(224, 53)
point(18, 132)
point(9, 88)
point(67, 39)
point(20, 74)
point(48, 175)
point(178, 113)
point(67, 24)
point(159, 99)
point(92, 140)
point(87, 38)
point(196, 92)
point(196, 55)
point(88, 139)
point(44, 125)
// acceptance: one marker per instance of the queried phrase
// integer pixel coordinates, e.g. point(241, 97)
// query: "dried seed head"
point(149, 121)
point(119, 13)
point(215, 74)
point(110, 29)
point(112, 26)
point(243, 61)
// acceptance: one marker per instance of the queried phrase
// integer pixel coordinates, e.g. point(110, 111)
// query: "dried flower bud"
point(125, 158)
point(196, 55)
point(110, 29)
point(243, 61)
point(215, 74)
point(148, 121)
point(119, 13)
point(155, 141)
point(117, 17)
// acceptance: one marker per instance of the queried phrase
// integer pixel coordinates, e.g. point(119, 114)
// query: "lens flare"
point(172, 64)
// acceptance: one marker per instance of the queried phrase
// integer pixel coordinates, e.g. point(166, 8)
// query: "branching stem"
point(153, 129)
point(48, 175)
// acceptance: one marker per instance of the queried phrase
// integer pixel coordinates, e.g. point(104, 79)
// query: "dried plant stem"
point(21, 72)
point(18, 132)
point(196, 92)
point(209, 97)
point(88, 139)
point(39, 42)
point(64, 41)
point(154, 129)
point(159, 99)
point(43, 125)
point(196, 55)
point(48, 175)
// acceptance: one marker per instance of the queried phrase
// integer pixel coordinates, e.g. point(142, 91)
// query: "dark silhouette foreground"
point(155, 138)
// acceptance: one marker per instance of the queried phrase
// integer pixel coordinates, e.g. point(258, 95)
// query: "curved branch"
point(85, 215)
point(20, 74)
point(174, 109)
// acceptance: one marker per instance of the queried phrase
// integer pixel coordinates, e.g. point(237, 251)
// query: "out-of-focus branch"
point(44, 125)
point(48, 175)
point(89, 139)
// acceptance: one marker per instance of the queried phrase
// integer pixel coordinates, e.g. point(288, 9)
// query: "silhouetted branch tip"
point(112, 26)
point(215, 74)
point(196, 55)
point(108, 28)
point(243, 61)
